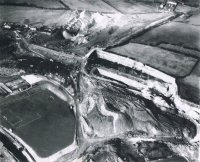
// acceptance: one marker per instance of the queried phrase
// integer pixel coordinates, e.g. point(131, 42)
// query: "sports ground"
point(41, 119)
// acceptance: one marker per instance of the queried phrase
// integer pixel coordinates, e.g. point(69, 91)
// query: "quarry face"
point(99, 81)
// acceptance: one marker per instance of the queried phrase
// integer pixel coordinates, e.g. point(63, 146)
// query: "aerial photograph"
point(99, 80)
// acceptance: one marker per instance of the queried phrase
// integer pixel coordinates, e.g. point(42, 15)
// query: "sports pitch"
point(44, 121)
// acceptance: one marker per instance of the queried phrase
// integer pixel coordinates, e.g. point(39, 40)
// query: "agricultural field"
point(49, 4)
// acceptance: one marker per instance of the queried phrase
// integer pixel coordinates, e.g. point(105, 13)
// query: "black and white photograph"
point(99, 80)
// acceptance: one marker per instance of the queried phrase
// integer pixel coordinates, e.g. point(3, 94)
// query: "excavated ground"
point(113, 124)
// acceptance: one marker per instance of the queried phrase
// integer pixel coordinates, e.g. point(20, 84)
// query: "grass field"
point(53, 4)
point(42, 120)
point(180, 34)
point(94, 5)
point(133, 7)
point(166, 61)
point(36, 16)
